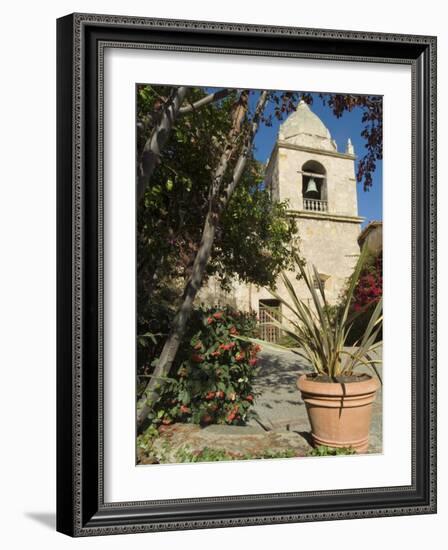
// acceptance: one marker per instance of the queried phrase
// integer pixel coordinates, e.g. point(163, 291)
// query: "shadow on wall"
point(47, 519)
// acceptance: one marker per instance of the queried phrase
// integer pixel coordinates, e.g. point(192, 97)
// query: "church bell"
point(311, 187)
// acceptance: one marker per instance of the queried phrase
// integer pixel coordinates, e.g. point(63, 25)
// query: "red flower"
point(218, 315)
point(209, 320)
point(210, 395)
point(184, 409)
point(196, 358)
point(227, 346)
point(219, 394)
point(252, 362)
point(250, 398)
point(215, 353)
point(240, 356)
point(232, 414)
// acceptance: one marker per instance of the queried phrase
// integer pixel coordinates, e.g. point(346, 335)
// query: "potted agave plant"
point(338, 397)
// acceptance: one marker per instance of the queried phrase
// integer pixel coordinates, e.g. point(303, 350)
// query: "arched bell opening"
point(314, 187)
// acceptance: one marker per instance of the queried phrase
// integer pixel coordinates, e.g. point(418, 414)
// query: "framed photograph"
point(246, 274)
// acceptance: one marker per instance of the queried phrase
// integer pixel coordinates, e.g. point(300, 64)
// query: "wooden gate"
point(267, 311)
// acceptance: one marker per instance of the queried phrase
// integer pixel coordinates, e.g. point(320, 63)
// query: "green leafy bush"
point(153, 324)
point(208, 454)
point(213, 380)
point(322, 450)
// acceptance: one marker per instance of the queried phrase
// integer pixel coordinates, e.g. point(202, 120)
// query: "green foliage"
point(154, 317)
point(148, 454)
point(321, 332)
point(254, 234)
point(322, 450)
point(214, 372)
point(209, 454)
point(205, 455)
point(256, 238)
point(170, 217)
point(145, 439)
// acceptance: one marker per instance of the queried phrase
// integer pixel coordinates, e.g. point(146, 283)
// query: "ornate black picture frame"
point(81, 509)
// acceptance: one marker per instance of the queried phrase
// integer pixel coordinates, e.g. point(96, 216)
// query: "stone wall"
point(340, 178)
point(329, 245)
point(328, 239)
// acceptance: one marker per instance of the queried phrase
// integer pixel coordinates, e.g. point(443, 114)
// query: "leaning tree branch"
point(211, 98)
point(218, 200)
point(159, 136)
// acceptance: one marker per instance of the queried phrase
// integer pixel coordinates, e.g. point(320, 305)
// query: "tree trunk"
point(159, 136)
point(211, 98)
point(154, 145)
point(216, 206)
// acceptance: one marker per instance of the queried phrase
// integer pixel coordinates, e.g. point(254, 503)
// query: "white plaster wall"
point(329, 245)
point(308, 140)
point(333, 248)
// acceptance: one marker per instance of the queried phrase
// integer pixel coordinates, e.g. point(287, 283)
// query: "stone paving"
point(236, 441)
point(279, 406)
point(279, 421)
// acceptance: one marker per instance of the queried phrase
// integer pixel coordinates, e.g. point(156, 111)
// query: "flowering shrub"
point(370, 285)
point(213, 383)
point(366, 295)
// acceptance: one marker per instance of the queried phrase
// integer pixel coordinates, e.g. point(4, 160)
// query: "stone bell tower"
point(307, 169)
point(319, 183)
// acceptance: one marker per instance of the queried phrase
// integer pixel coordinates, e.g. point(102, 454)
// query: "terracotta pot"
point(339, 413)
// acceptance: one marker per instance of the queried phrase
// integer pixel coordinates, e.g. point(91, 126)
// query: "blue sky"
point(348, 126)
